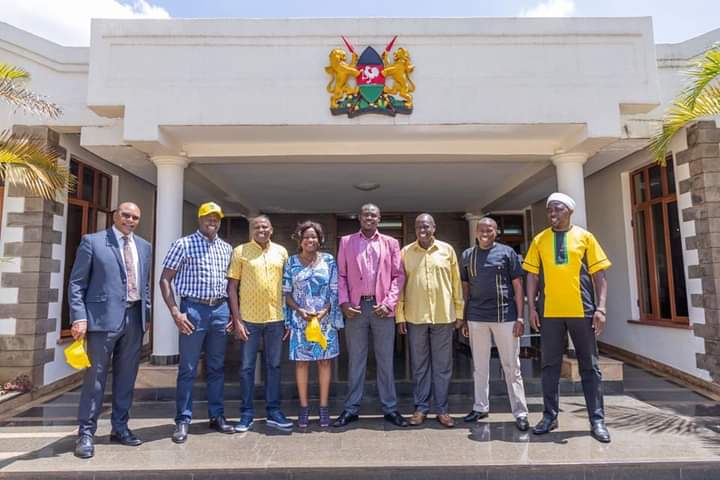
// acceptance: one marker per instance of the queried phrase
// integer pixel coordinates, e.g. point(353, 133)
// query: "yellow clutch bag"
point(314, 334)
point(76, 356)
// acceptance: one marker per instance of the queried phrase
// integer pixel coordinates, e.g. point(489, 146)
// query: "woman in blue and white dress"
point(310, 288)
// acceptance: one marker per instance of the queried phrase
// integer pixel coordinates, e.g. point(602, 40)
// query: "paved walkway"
point(654, 423)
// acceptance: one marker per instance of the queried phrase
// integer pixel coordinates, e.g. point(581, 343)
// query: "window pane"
point(74, 169)
point(74, 231)
point(639, 187)
point(103, 192)
point(655, 181)
point(101, 222)
point(512, 225)
point(661, 261)
point(670, 174)
point(681, 305)
point(87, 184)
point(643, 262)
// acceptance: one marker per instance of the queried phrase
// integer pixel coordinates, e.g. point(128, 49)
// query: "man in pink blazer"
point(370, 278)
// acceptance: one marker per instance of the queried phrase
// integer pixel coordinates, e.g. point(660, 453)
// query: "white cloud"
point(67, 22)
point(551, 8)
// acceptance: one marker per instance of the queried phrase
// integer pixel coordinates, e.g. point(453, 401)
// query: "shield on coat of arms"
point(371, 80)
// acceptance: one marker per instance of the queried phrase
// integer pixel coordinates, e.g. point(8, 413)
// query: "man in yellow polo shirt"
point(255, 276)
point(569, 265)
point(430, 305)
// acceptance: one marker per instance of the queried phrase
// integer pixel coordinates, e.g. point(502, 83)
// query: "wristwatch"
point(601, 310)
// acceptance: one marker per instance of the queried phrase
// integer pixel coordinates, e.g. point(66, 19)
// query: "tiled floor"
point(659, 431)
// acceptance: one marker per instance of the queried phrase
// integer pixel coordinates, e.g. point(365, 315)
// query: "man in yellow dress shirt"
point(430, 305)
point(255, 276)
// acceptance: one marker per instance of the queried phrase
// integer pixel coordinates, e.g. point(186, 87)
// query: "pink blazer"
point(390, 277)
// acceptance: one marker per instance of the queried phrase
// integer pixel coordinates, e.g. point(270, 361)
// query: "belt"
point(211, 302)
point(367, 298)
point(132, 304)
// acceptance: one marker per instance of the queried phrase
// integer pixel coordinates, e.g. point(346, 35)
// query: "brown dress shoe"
point(446, 420)
point(417, 419)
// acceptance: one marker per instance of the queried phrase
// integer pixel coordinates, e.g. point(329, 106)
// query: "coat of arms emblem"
point(370, 83)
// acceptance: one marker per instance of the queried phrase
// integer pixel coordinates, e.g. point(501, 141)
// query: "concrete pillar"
point(571, 181)
point(472, 219)
point(168, 228)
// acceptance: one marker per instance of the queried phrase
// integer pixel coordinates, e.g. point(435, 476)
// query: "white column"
point(473, 219)
point(571, 181)
point(168, 228)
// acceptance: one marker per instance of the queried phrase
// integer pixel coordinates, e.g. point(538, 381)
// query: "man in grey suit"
point(109, 296)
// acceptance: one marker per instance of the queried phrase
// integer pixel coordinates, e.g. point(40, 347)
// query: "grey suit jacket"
point(97, 288)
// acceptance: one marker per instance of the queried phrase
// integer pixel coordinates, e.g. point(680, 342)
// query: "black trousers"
point(553, 332)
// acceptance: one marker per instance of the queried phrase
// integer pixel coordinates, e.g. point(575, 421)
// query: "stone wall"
point(29, 239)
point(703, 159)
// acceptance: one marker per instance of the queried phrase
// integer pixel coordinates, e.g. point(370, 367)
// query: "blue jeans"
point(209, 335)
point(271, 335)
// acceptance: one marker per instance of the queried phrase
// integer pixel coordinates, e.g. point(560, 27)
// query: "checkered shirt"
point(201, 265)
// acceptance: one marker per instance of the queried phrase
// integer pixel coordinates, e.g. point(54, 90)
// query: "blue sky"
point(68, 21)
point(674, 20)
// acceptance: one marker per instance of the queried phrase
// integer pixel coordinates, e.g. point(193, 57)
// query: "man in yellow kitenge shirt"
point(255, 275)
point(430, 305)
point(571, 264)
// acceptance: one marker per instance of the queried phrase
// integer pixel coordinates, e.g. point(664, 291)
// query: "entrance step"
point(635, 471)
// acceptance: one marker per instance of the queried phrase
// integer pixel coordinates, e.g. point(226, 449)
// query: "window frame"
point(665, 199)
point(90, 212)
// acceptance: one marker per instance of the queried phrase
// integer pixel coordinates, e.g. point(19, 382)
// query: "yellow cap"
point(208, 208)
point(76, 356)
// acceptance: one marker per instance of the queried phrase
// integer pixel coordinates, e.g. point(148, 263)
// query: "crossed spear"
point(352, 50)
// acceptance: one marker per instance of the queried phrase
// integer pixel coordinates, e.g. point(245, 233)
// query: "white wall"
point(58, 73)
point(608, 208)
point(271, 72)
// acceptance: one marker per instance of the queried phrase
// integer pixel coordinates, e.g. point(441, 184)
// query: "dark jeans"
point(122, 348)
point(553, 332)
point(271, 335)
point(209, 336)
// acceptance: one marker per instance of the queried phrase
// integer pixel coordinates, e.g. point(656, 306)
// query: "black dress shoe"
point(546, 425)
point(345, 418)
point(522, 424)
point(600, 432)
point(84, 447)
point(181, 432)
point(474, 416)
point(396, 419)
point(126, 437)
point(220, 425)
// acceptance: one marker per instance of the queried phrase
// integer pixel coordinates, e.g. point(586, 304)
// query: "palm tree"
point(24, 160)
point(700, 99)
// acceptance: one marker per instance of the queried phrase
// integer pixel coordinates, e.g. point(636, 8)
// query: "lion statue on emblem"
point(340, 71)
point(399, 71)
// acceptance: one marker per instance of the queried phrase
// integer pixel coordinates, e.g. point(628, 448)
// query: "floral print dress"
point(312, 287)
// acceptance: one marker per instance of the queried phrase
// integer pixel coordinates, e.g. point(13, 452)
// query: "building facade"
point(172, 113)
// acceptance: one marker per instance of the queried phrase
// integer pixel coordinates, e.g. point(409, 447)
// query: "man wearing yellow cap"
point(196, 266)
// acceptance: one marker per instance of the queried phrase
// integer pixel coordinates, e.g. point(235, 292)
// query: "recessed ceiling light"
point(367, 186)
